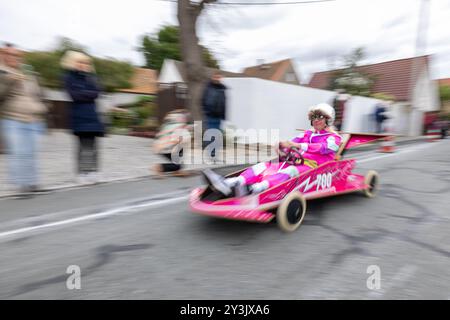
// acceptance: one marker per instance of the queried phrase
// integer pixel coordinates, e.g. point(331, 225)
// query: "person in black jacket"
point(214, 104)
point(381, 115)
point(81, 84)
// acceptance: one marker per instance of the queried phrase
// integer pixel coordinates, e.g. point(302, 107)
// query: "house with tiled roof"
point(173, 71)
point(172, 79)
point(407, 80)
point(281, 71)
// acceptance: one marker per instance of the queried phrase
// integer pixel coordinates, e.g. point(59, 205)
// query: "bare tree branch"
point(201, 6)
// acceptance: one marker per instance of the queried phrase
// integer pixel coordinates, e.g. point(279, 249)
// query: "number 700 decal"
point(324, 181)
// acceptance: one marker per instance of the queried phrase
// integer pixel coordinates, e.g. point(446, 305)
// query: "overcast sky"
point(315, 35)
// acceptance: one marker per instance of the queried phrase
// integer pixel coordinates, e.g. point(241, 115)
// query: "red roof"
point(444, 82)
point(274, 71)
point(391, 77)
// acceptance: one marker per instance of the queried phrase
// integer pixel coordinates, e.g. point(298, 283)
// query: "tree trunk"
point(192, 54)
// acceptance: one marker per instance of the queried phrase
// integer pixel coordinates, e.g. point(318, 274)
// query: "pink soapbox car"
point(287, 201)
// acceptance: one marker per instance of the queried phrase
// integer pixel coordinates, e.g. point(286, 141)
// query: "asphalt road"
point(138, 240)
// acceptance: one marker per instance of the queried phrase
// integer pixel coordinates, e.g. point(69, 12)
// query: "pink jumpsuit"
point(318, 148)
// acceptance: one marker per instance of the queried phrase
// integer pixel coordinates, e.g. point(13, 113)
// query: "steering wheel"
point(291, 155)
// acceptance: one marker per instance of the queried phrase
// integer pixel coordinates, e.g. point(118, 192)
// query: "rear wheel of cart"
point(291, 212)
point(371, 180)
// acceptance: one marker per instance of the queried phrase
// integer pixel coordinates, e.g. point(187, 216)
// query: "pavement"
point(124, 158)
point(139, 240)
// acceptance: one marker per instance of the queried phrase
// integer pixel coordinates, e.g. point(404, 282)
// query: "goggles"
point(317, 116)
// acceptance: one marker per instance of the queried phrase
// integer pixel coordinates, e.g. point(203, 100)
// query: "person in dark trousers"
point(339, 103)
point(81, 84)
point(380, 116)
point(214, 104)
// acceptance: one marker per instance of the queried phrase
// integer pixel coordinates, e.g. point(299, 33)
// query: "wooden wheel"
point(291, 212)
point(371, 180)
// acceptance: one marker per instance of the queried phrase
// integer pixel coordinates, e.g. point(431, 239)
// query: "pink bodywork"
point(329, 179)
point(357, 139)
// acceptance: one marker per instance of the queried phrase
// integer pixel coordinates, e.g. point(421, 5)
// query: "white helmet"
point(325, 109)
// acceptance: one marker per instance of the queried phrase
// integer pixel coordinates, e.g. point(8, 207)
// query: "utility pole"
point(416, 123)
point(422, 27)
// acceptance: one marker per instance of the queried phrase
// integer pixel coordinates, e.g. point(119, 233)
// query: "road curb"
point(75, 186)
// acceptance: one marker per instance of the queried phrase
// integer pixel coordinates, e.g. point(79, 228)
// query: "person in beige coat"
point(22, 115)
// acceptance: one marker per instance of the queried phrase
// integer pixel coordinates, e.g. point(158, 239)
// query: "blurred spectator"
point(22, 114)
point(81, 84)
point(442, 125)
point(214, 103)
point(339, 102)
point(381, 115)
point(170, 139)
point(3, 88)
point(429, 121)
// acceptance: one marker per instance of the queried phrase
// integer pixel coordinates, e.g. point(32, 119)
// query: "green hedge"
point(444, 93)
point(123, 119)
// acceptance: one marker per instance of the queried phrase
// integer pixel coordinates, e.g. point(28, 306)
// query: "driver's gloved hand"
point(283, 154)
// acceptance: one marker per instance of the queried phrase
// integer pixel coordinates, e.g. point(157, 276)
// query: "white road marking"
point(111, 212)
point(395, 153)
point(80, 210)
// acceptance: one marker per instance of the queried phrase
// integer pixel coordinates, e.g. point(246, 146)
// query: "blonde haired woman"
point(75, 60)
point(82, 85)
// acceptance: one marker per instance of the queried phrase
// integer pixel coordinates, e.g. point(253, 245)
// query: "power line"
point(261, 3)
point(271, 3)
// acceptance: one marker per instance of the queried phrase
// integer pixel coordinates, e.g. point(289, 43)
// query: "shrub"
point(383, 96)
point(444, 93)
point(123, 119)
